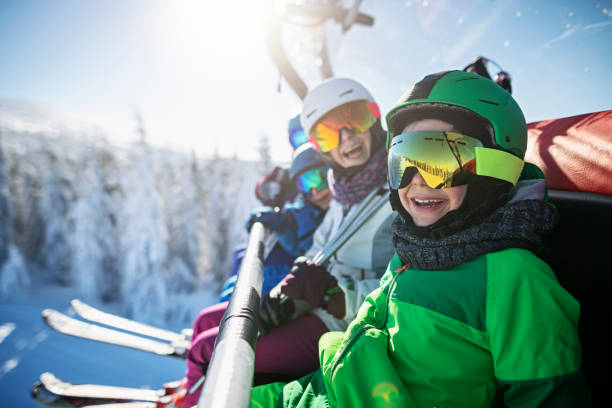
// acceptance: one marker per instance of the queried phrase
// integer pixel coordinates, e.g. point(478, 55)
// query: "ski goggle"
point(314, 178)
point(357, 116)
point(297, 137)
point(446, 159)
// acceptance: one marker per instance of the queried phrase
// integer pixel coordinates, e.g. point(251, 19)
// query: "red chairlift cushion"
point(575, 153)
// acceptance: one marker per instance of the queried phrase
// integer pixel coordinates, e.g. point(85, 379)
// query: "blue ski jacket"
point(293, 230)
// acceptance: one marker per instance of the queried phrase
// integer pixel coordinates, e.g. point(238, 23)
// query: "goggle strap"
point(374, 110)
point(499, 164)
point(313, 141)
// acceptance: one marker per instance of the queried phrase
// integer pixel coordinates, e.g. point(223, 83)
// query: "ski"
point(50, 391)
point(71, 326)
point(95, 315)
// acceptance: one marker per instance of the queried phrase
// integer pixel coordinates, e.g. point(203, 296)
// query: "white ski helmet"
point(328, 95)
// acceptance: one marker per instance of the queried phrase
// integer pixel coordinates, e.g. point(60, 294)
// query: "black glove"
point(274, 311)
point(308, 281)
point(334, 302)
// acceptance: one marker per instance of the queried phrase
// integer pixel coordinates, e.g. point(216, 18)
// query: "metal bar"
point(229, 377)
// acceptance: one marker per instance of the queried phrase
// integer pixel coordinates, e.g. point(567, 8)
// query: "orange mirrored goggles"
point(358, 116)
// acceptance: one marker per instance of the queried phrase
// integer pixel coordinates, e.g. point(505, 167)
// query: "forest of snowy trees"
point(138, 225)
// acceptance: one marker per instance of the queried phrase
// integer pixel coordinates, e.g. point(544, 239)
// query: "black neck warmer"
point(483, 196)
point(520, 224)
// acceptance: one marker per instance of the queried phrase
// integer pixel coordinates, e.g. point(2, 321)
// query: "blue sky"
point(200, 76)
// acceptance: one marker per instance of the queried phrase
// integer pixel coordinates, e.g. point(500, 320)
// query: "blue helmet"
point(305, 157)
point(308, 171)
point(297, 136)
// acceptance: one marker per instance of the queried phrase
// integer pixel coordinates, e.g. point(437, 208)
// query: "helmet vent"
point(311, 113)
point(346, 92)
point(489, 102)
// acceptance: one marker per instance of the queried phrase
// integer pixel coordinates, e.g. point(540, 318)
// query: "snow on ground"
point(28, 348)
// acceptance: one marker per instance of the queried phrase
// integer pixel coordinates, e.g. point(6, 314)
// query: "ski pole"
point(350, 226)
point(348, 222)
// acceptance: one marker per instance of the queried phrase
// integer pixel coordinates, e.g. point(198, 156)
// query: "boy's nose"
point(418, 180)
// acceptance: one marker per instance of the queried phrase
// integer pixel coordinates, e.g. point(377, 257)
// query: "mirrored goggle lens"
point(314, 178)
point(357, 116)
point(297, 138)
point(442, 158)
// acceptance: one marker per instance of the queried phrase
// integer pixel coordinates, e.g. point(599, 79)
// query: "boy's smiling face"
point(425, 204)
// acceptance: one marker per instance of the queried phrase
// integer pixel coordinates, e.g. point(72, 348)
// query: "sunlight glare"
point(214, 34)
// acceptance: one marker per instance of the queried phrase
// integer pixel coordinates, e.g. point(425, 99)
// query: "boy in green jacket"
point(467, 314)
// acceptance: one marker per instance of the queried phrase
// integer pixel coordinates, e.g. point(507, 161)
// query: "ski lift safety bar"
point(229, 377)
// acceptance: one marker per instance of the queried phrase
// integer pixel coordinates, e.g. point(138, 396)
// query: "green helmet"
point(468, 92)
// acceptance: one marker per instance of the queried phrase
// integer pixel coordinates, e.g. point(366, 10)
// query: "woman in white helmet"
point(343, 123)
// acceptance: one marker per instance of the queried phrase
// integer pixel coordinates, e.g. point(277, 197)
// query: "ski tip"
point(46, 313)
point(48, 379)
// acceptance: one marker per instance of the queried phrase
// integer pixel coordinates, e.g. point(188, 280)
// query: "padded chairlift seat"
point(575, 155)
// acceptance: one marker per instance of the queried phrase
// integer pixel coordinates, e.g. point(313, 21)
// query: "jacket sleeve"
point(304, 218)
point(532, 322)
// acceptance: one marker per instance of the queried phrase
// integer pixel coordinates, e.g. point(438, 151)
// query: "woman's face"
point(425, 204)
point(353, 149)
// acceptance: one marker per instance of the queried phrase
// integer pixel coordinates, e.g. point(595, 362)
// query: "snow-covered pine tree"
point(24, 159)
point(217, 218)
point(56, 196)
point(186, 227)
point(92, 234)
point(13, 271)
point(6, 220)
point(231, 198)
point(183, 212)
point(198, 180)
point(143, 241)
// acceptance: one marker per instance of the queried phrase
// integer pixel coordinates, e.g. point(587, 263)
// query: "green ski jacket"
point(495, 331)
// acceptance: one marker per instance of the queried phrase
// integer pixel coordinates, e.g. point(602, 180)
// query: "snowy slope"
point(28, 348)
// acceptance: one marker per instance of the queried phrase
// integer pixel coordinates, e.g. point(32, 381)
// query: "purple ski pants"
point(291, 349)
